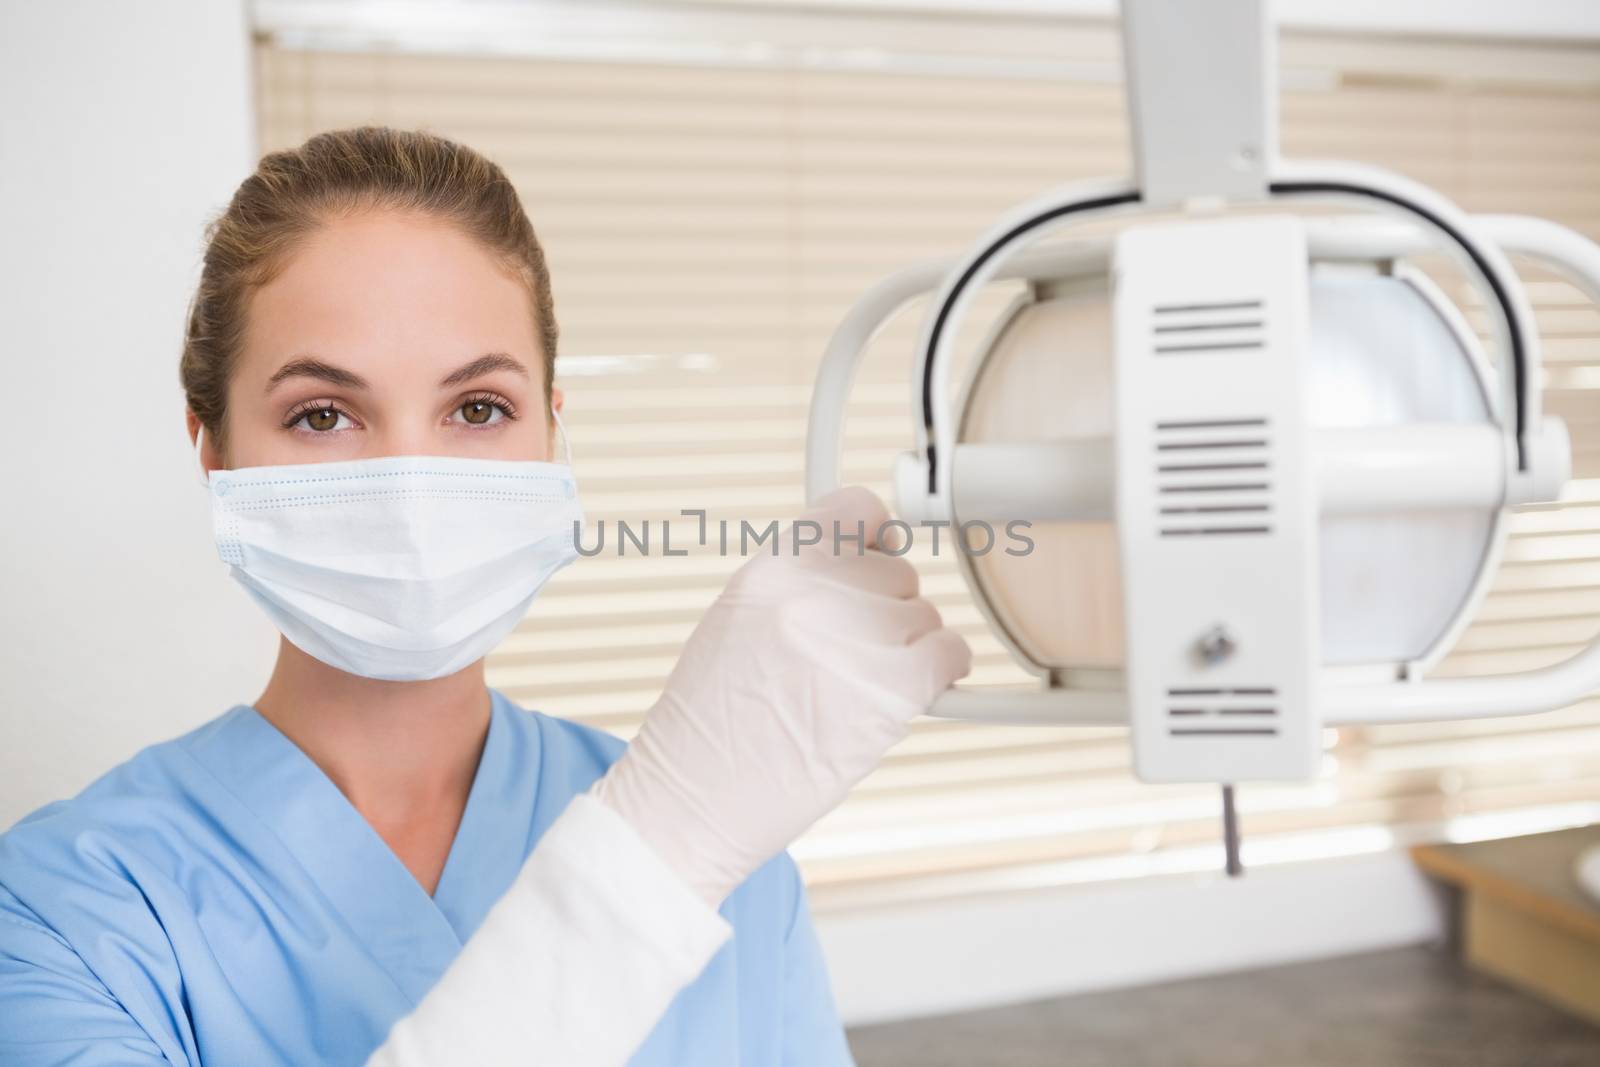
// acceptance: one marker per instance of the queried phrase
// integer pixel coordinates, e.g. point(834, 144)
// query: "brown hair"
point(294, 192)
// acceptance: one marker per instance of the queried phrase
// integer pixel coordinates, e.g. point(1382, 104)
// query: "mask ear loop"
point(200, 464)
point(566, 439)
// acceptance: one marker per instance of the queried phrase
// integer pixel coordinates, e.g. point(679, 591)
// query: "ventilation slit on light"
point(1224, 326)
point(1240, 711)
point(1213, 477)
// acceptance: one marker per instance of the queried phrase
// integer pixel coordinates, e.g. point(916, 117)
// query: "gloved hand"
point(802, 674)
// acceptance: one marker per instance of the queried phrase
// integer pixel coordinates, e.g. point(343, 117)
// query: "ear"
point(550, 440)
point(206, 455)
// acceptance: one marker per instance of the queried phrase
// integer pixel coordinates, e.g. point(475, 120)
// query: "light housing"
point(1383, 447)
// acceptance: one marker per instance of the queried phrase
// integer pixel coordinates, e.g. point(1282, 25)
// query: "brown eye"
point(482, 409)
point(322, 419)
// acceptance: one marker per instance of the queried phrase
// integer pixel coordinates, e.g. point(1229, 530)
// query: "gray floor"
point(1407, 1008)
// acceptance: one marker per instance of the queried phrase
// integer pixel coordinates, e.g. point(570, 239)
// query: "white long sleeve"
point(574, 965)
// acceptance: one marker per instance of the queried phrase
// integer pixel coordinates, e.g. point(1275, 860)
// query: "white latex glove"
point(804, 672)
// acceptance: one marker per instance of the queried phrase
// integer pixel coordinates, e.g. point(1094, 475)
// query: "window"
point(710, 213)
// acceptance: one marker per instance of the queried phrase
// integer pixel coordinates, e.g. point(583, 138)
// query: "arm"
point(807, 668)
point(573, 966)
point(54, 1012)
point(803, 673)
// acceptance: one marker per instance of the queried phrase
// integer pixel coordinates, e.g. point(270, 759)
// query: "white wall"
point(918, 959)
point(122, 128)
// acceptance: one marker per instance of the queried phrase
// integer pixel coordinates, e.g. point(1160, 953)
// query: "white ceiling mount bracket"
point(1220, 595)
point(1202, 98)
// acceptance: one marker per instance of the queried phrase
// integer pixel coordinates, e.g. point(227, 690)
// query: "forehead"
point(392, 288)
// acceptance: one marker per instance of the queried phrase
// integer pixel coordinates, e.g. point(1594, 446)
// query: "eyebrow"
point(482, 365)
point(311, 367)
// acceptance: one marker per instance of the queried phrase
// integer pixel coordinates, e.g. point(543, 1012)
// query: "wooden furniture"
point(1520, 914)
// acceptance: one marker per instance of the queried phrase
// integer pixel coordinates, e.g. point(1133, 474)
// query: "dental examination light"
point(1267, 464)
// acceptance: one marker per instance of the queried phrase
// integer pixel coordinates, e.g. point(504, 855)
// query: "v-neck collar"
point(497, 825)
point(411, 935)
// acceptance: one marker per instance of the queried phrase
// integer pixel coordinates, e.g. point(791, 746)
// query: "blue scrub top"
point(216, 900)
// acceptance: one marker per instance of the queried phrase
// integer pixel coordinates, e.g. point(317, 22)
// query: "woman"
point(381, 860)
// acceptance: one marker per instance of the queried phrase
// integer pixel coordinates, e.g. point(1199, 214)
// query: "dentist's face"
point(388, 334)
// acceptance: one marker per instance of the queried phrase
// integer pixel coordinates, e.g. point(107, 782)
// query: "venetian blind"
point(708, 224)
